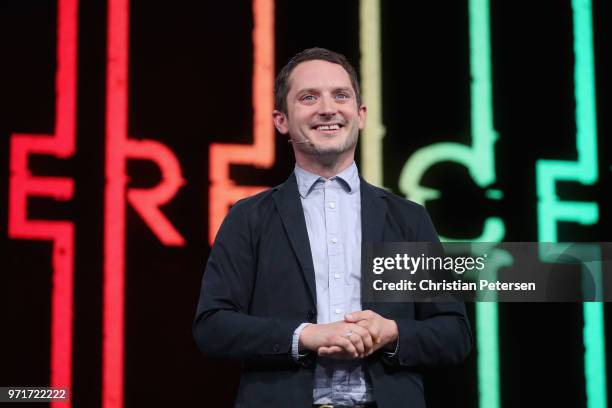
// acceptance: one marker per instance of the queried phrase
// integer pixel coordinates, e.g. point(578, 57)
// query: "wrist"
point(304, 342)
point(393, 334)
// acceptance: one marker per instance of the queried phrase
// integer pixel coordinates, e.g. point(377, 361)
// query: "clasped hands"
point(359, 335)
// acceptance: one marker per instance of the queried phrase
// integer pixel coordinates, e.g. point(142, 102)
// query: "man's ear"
point(280, 122)
point(363, 113)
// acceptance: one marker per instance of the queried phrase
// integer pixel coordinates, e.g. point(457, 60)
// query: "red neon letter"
point(223, 191)
point(23, 185)
point(146, 202)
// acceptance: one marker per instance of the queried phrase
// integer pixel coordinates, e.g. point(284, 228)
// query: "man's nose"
point(327, 106)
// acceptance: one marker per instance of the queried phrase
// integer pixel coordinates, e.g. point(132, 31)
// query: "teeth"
point(328, 127)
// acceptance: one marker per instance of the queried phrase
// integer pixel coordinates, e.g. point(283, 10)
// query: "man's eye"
point(342, 96)
point(308, 98)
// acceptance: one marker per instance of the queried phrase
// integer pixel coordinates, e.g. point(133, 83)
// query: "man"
point(281, 290)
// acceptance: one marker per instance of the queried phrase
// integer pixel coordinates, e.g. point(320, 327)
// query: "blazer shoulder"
point(243, 221)
point(255, 206)
point(255, 201)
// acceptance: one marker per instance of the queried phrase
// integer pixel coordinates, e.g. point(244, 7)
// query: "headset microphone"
point(299, 141)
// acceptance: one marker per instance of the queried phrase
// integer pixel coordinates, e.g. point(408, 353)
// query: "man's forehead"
point(317, 73)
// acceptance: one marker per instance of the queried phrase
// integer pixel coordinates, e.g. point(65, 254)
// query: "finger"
point(323, 351)
point(348, 346)
point(354, 317)
point(372, 328)
point(334, 352)
point(350, 318)
point(364, 333)
point(359, 315)
point(366, 324)
point(335, 349)
point(375, 332)
point(354, 338)
point(357, 341)
point(366, 338)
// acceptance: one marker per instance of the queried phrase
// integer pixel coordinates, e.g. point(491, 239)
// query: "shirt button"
point(332, 205)
point(338, 311)
point(337, 276)
point(334, 240)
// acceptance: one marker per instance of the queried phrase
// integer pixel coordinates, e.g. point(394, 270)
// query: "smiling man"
point(326, 115)
point(282, 286)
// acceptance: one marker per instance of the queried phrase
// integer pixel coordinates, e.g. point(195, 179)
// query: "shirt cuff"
point(295, 344)
point(393, 353)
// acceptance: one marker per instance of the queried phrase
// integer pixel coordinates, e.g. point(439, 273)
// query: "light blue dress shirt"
point(332, 209)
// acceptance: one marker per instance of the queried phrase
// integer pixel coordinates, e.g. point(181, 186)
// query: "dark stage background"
point(190, 85)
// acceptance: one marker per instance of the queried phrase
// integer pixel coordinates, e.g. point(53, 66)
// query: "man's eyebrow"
point(316, 91)
point(344, 89)
point(307, 90)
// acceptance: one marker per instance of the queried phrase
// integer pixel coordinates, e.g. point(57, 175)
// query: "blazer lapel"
point(373, 212)
point(289, 206)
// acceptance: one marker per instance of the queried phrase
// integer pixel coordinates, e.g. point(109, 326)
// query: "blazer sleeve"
point(440, 333)
point(223, 327)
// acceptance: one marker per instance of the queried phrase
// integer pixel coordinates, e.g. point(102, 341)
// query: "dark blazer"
point(259, 285)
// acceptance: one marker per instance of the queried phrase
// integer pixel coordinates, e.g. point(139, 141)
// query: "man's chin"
point(328, 154)
point(328, 146)
point(323, 150)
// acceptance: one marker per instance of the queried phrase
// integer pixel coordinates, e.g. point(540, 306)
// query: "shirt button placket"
point(335, 254)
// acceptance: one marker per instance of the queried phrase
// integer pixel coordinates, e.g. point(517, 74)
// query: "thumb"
point(354, 317)
point(350, 318)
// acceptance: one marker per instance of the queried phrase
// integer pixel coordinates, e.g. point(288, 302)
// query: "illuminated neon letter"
point(23, 185)
point(223, 191)
point(551, 210)
point(479, 159)
point(146, 202)
point(371, 88)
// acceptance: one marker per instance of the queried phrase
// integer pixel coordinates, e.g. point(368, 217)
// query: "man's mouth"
point(328, 128)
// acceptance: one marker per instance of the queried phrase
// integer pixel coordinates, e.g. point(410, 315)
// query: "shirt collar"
point(348, 179)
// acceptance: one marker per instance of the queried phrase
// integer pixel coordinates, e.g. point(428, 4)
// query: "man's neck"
point(326, 169)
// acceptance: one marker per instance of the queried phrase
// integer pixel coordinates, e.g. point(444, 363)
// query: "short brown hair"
point(281, 86)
